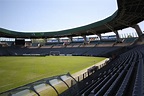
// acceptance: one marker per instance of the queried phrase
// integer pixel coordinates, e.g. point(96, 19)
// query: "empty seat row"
point(123, 76)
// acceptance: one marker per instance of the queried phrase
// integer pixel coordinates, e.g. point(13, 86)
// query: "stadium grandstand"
point(121, 75)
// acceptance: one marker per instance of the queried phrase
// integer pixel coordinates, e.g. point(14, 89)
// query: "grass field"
point(17, 71)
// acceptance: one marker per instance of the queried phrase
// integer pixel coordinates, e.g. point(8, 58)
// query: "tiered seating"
point(100, 51)
point(101, 87)
point(122, 76)
point(76, 51)
point(138, 89)
point(3, 52)
point(129, 40)
point(125, 42)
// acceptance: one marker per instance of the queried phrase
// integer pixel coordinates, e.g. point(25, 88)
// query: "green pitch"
point(17, 71)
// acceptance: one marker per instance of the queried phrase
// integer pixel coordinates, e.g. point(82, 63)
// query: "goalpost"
point(55, 53)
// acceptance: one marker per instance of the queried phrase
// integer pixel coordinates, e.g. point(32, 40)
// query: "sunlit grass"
point(17, 71)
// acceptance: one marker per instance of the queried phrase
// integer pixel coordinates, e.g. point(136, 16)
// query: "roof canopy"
point(129, 13)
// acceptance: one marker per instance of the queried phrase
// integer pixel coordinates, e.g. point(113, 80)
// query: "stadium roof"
point(129, 13)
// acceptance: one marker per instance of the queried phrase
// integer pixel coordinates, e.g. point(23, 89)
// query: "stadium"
point(87, 66)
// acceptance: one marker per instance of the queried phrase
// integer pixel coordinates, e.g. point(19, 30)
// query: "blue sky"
point(53, 15)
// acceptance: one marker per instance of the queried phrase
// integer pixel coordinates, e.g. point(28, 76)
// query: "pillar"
point(99, 36)
point(138, 30)
point(45, 40)
point(70, 39)
point(85, 39)
point(117, 35)
point(58, 39)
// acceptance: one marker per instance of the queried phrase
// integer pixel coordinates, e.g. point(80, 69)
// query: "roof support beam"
point(123, 23)
point(85, 39)
point(99, 36)
point(109, 27)
point(138, 30)
point(45, 40)
point(117, 35)
point(58, 39)
point(70, 39)
point(138, 15)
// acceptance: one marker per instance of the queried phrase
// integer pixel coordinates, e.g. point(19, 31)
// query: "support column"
point(85, 39)
point(117, 35)
point(99, 36)
point(138, 30)
point(70, 39)
point(45, 40)
point(58, 39)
